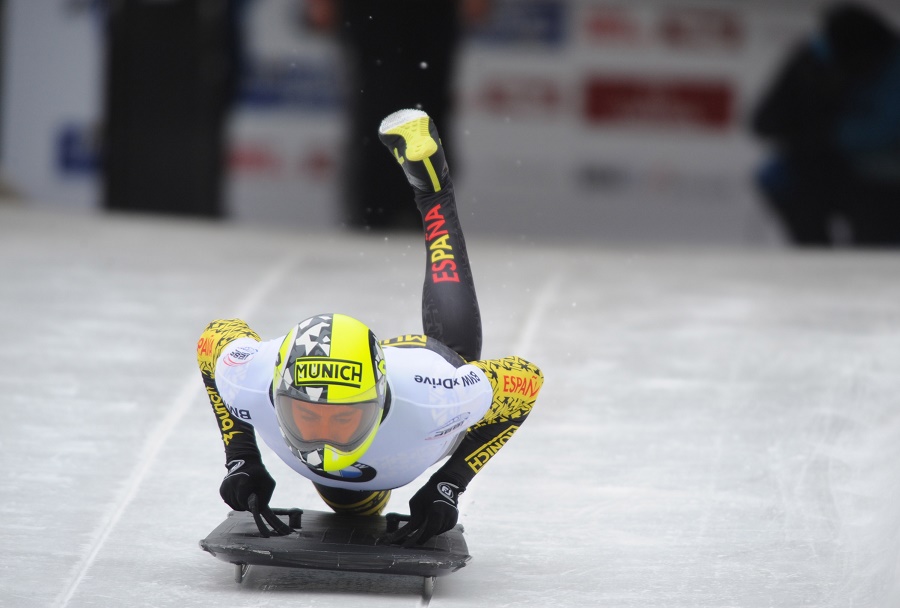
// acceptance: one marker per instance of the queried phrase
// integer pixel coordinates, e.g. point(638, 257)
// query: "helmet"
point(329, 390)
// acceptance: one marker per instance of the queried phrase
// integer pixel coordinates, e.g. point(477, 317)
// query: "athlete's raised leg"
point(450, 310)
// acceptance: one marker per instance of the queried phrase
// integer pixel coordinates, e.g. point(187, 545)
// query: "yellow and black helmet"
point(329, 390)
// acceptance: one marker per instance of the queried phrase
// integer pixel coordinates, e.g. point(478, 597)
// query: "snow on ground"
point(719, 427)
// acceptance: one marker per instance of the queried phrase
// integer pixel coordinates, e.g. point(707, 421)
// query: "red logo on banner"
point(622, 100)
point(519, 95)
point(612, 26)
point(254, 158)
point(318, 163)
point(700, 28)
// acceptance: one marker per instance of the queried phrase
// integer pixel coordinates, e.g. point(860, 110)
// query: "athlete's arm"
point(433, 509)
point(516, 384)
point(247, 475)
point(237, 435)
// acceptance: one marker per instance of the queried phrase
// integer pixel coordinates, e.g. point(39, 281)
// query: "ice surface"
point(718, 427)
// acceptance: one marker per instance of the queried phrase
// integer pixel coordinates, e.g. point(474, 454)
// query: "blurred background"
point(598, 120)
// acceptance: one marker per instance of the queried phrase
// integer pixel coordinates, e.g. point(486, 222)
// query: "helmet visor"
point(310, 426)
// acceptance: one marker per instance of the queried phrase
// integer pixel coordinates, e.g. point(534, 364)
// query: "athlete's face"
point(336, 423)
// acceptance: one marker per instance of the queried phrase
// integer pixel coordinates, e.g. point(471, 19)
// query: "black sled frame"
point(327, 541)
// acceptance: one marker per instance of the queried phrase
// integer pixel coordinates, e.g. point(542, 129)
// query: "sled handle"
point(261, 512)
point(393, 521)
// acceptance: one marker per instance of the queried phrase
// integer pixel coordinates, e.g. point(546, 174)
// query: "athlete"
point(358, 416)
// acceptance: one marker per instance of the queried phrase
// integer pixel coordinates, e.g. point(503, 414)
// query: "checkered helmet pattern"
point(311, 339)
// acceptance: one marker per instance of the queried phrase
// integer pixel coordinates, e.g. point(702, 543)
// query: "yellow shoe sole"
point(410, 136)
point(419, 143)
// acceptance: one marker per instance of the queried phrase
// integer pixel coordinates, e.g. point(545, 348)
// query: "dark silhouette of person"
point(833, 115)
point(171, 80)
point(397, 54)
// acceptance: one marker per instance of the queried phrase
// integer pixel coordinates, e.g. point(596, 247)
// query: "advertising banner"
point(606, 120)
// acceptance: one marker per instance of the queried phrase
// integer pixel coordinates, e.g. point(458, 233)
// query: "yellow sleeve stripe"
point(217, 335)
point(516, 384)
point(477, 459)
point(435, 183)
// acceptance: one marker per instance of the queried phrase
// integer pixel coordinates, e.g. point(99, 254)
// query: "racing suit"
point(443, 401)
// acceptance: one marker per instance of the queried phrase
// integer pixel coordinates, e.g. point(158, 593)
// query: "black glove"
point(432, 510)
point(246, 476)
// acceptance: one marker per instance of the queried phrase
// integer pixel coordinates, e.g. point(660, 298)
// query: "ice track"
point(718, 428)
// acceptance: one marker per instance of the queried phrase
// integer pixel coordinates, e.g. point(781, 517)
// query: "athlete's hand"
point(432, 510)
point(246, 476)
